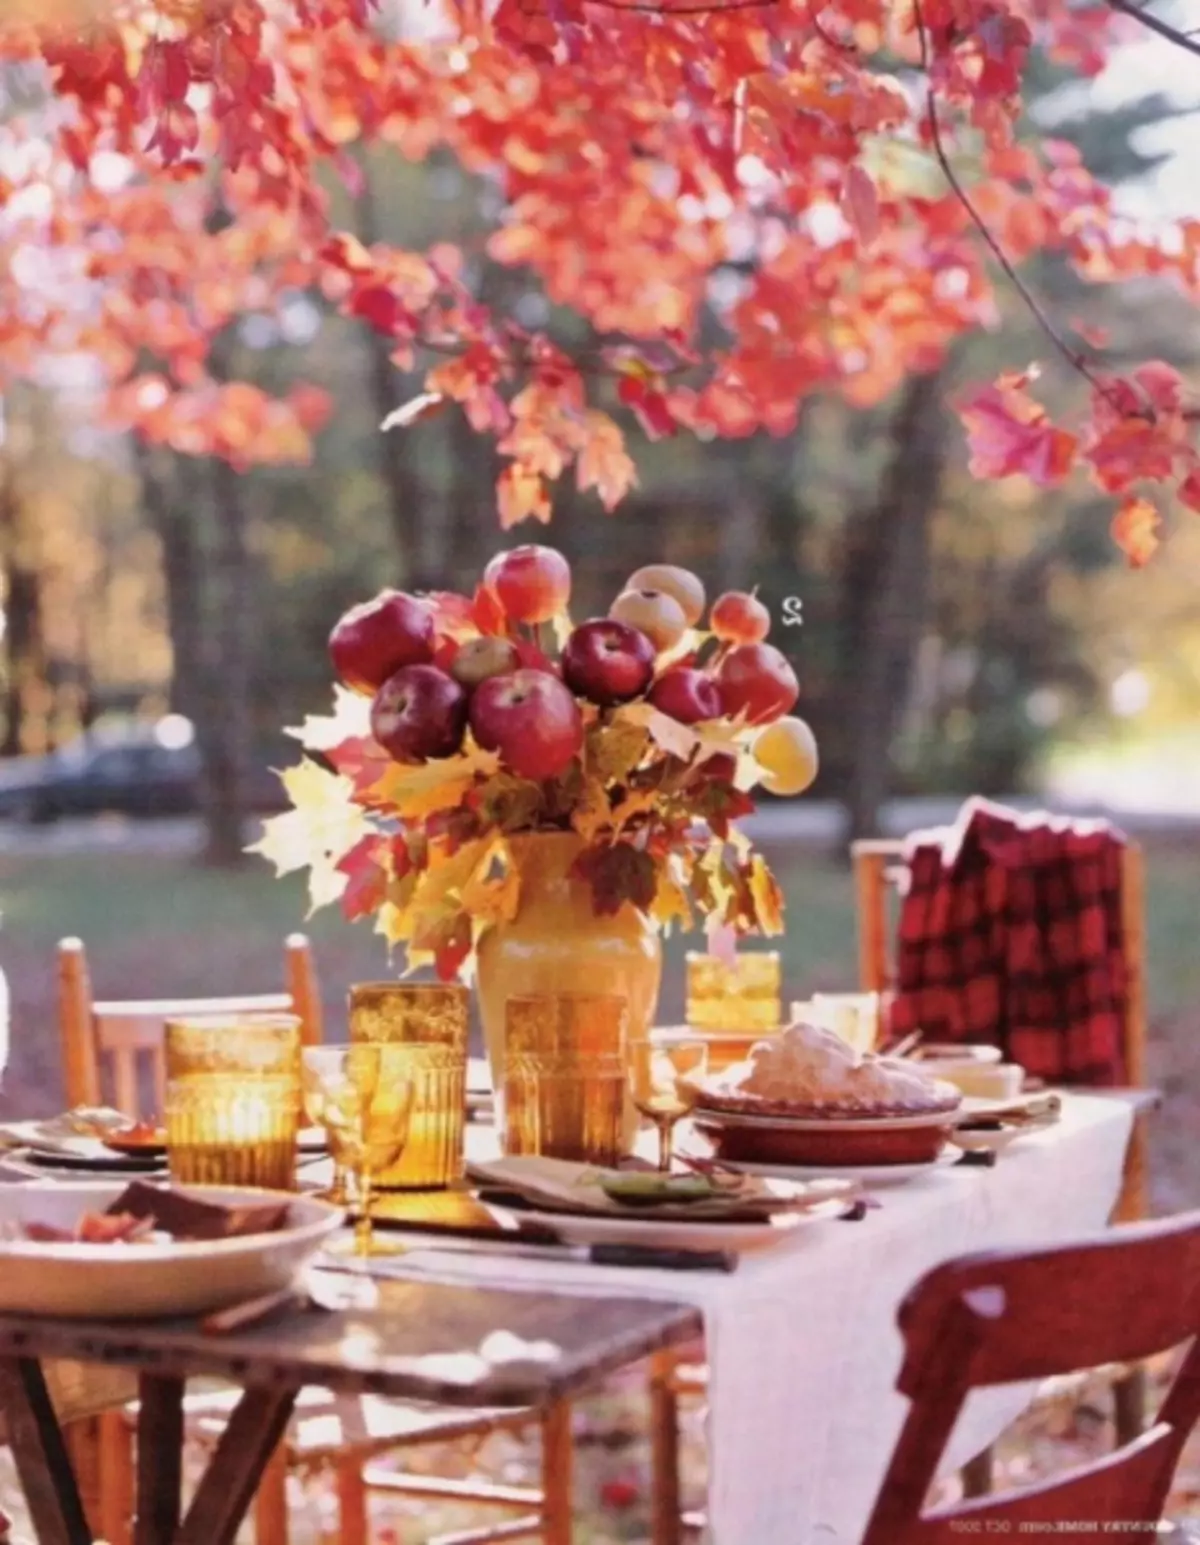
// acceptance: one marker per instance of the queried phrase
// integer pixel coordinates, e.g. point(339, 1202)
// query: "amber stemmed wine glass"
point(362, 1095)
point(664, 1075)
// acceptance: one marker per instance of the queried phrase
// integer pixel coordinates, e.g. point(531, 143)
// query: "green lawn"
point(162, 925)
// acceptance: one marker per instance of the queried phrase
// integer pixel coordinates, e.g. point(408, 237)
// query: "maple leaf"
point(768, 898)
point(508, 803)
point(323, 826)
point(615, 746)
point(643, 393)
point(667, 734)
point(413, 791)
point(366, 877)
point(492, 898)
point(670, 903)
point(860, 203)
point(1189, 490)
point(603, 463)
point(351, 719)
point(617, 873)
point(1008, 432)
point(521, 494)
point(1135, 529)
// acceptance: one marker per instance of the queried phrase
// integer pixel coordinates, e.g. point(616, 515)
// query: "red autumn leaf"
point(1008, 432)
point(368, 879)
point(649, 405)
point(1135, 529)
point(860, 203)
point(486, 612)
point(382, 308)
point(451, 946)
point(617, 873)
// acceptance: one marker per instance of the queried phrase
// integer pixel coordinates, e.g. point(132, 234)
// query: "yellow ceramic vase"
point(557, 944)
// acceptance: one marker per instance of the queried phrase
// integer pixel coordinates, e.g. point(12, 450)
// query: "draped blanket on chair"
point(1011, 933)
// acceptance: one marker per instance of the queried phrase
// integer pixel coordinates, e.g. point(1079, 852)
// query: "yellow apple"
point(787, 753)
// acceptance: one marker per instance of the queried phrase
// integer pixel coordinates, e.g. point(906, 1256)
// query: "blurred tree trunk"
point(25, 662)
point(885, 594)
point(165, 478)
point(223, 724)
point(417, 538)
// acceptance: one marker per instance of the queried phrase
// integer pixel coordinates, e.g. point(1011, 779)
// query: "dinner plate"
point(872, 1176)
point(90, 1155)
point(575, 1228)
point(139, 1280)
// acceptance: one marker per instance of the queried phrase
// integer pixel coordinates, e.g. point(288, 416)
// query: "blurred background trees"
point(954, 632)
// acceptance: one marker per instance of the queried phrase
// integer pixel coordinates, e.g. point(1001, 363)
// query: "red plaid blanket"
point(1011, 934)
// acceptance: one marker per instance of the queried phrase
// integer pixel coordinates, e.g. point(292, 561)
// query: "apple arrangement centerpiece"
point(503, 788)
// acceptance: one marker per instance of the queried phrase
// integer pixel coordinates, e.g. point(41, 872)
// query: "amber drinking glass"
point(564, 1087)
point(233, 1100)
point(432, 1019)
point(664, 1078)
point(742, 996)
point(364, 1093)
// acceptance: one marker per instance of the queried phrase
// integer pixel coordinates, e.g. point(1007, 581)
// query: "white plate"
point(942, 1118)
point(872, 1176)
point(579, 1229)
point(144, 1280)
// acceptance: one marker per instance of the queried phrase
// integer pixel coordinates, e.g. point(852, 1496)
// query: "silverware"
point(904, 1047)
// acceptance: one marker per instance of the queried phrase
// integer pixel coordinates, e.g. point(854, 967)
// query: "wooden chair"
point(986, 1320)
point(108, 1049)
point(879, 874)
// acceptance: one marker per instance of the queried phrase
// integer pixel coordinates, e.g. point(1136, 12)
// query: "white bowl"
point(137, 1281)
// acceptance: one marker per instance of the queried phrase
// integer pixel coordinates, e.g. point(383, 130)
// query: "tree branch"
point(1184, 40)
point(1072, 356)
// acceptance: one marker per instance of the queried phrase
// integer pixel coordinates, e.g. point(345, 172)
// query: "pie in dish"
point(807, 1097)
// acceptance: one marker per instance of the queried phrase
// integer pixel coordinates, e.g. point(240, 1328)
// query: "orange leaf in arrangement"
point(1135, 529)
point(860, 203)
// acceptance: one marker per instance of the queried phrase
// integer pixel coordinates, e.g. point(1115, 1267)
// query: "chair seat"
point(326, 1428)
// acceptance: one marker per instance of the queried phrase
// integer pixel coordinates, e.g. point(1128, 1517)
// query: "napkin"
point(61, 1134)
point(1038, 1109)
point(557, 1185)
point(186, 1217)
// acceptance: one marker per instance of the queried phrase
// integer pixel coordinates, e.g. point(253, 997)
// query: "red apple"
point(531, 719)
point(418, 713)
point(687, 695)
point(607, 661)
point(738, 618)
point(480, 658)
point(653, 612)
point(757, 681)
point(531, 583)
point(372, 641)
point(681, 584)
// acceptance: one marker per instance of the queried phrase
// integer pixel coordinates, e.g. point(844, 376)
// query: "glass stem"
point(339, 1193)
point(665, 1127)
point(363, 1229)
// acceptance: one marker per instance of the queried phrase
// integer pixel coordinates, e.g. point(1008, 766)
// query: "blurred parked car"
point(137, 770)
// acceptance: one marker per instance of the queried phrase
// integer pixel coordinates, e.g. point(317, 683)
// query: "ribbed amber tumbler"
point(742, 996)
point(565, 1079)
point(430, 1019)
point(233, 1100)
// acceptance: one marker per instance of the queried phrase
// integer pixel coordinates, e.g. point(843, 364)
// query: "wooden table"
point(474, 1346)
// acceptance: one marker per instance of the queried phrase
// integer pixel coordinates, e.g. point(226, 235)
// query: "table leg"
point(228, 1486)
point(159, 1459)
point(36, 1439)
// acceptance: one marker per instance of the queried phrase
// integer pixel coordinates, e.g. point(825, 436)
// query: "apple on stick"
point(531, 719)
point(756, 681)
point(418, 713)
point(376, 638)
point(607, 662)
point(531, 583)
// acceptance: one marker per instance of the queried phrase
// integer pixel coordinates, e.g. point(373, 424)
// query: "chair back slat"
point(1013, 1317)
point(123, 1038)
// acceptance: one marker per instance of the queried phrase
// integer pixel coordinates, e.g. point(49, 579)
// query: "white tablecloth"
point(802, 1339)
